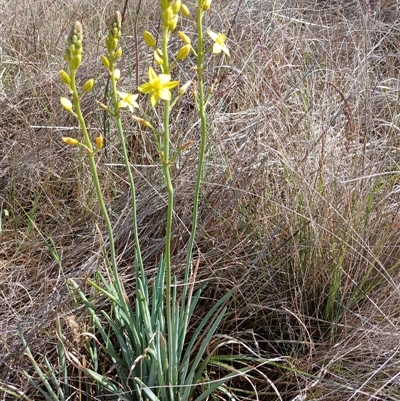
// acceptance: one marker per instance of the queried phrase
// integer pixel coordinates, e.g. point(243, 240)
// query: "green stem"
point(203, 129)
point(168, 233)
point(96, 181)
point(128, 168)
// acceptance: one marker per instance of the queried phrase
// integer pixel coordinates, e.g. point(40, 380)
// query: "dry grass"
point(300, 202)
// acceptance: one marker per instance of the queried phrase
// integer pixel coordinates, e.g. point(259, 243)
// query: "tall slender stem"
point(96, 181)
point(122, 139)
point(168, 233)
point(203, 129)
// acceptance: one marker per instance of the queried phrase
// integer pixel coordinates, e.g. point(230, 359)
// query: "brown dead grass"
point(300, 203)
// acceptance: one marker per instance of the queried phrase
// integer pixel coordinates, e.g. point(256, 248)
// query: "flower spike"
point(73, 53)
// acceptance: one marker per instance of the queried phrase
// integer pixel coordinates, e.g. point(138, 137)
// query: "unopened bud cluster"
point(73, 53)
point(115, 33)
point(170, 11)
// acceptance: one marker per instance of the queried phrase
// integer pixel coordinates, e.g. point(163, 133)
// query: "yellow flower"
point(219, 44)
point(127, 100)
point(159, 86)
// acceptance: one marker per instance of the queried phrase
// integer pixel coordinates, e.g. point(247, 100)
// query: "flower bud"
point(117, 74)
point(105, 61)
point(206, 5)
point(173, 22)
point(75, 36)
point(116, 23)
point(182, 90)
point(184, 10)
point(184, 37)
point(99, 141)
point(149, 39)
point(66, 103)
point(118, 52)
point(183, 52)
point(111, 43)
point(75, 62)
point(165, 4)
point(65, 78)
point(67, 55)
point(88, 85)
point(158, 57)
point(70, 141)
point(167, 16)
point(176, 6)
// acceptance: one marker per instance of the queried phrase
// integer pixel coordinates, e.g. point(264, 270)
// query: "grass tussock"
point(299, 205)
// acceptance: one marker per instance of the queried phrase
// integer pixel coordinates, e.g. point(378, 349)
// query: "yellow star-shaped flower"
point(219, 42)
point(127, 100)
point(159, 86)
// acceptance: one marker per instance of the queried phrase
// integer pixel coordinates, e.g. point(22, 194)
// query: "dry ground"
point(300, 203)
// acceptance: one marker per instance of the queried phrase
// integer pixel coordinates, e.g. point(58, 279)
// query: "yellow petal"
point(152, 74)
point(212, 35)
point(164, 94)
point(154, 99)
point(146, 88)
point(170, 85)
point(217, 48)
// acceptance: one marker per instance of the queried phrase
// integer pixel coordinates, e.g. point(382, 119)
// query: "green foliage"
point(141, 349)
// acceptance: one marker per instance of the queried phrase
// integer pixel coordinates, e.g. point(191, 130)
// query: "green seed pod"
point(183, 52)
point(149, 39)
